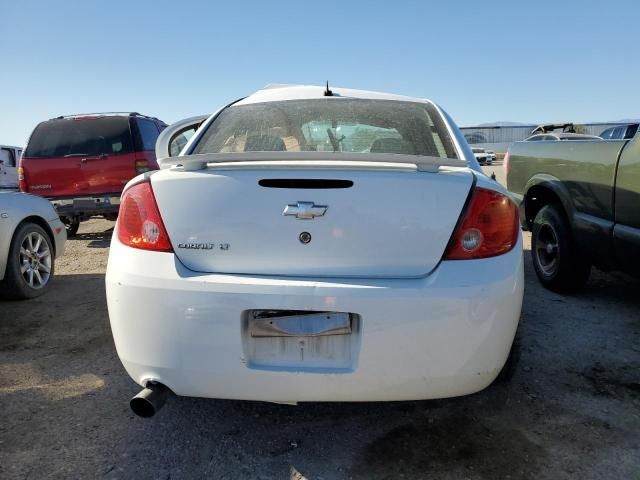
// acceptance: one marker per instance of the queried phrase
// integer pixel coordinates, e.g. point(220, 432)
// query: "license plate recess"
point(301, 341)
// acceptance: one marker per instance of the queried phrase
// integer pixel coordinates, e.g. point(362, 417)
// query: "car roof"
point(274, 93)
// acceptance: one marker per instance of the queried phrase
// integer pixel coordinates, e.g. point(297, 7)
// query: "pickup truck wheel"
point(556, 259)
point(30, 264)
point(71, 224)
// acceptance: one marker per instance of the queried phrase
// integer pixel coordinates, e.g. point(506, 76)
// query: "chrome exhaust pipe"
point(151, 399)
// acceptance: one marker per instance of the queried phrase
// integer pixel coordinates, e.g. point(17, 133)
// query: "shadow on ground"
point(95, 239)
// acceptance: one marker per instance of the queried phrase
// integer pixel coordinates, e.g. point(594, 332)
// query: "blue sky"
point(482, 61)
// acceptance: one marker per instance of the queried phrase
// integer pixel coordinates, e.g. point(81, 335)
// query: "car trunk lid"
point(319, 221)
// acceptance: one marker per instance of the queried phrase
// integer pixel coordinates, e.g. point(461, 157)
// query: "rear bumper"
point(86, 206)
point(445, 335)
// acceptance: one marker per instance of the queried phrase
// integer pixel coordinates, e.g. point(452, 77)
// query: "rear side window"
point(80, 136)
point(148, 134)
point(607, 133)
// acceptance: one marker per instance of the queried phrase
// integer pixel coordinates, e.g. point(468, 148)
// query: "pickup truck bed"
point(594, 187)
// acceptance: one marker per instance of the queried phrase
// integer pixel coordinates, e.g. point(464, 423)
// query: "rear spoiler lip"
point(330, 160)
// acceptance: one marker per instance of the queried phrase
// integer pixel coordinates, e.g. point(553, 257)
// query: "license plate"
point(90, 202)
point(316, 341)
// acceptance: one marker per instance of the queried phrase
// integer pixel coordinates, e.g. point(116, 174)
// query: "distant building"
point(498, 138)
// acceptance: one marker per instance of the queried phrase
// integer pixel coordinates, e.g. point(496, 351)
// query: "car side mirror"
point(174, 138)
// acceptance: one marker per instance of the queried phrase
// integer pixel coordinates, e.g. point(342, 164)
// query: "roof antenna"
point(327, 92)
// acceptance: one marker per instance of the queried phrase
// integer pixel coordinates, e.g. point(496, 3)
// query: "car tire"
point(71, 224)
point(30, 264)
point(556, 258)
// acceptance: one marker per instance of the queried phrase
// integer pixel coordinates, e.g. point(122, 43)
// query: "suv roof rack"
point(130, 114)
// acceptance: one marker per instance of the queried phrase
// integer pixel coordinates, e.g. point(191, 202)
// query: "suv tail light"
point(489, 226)
point(139, 222)
point(22, 183)
point(142, 165)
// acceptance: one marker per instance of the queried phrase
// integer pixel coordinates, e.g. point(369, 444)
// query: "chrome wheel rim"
point(35, 260)
point(547, 250)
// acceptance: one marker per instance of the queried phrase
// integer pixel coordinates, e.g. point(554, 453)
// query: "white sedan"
point(31, 237)
point(315, 245)
point(483, 157)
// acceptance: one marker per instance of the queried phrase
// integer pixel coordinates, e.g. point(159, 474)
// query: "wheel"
point(556, 258)
point(30, 264)
point(71, 224)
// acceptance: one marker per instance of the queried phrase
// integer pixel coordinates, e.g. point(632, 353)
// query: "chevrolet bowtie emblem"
point(305, 210)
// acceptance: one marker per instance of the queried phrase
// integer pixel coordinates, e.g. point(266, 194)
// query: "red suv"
point(82, 162)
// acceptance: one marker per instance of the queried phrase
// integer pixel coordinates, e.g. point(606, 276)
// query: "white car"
point(31, 237)
point(270, 262)
point(9, 159)
point(482, 156)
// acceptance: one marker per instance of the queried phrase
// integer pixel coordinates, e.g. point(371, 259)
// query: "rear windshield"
point(330, 125)
point(94, 136)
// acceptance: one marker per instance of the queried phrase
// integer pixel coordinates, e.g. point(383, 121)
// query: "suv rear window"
point(147, 135)
point(330, 125)
point(80, 136)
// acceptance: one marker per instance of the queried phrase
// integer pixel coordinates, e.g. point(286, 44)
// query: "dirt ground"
point(572, 409)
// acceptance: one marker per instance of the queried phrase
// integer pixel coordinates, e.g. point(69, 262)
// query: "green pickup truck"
point(581, 201)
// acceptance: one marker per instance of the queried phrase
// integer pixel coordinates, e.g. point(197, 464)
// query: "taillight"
point(507, 165)
point(139, 221)
point(142, 165)
point(22, 183)
point(489, 227)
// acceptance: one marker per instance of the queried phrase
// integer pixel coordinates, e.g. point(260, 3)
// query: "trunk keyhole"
point(304, 237)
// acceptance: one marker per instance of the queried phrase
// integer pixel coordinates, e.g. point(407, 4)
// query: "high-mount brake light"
point(489, 227)
point(139, 222)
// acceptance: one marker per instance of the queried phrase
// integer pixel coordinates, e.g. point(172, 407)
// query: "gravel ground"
point(572, 409)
